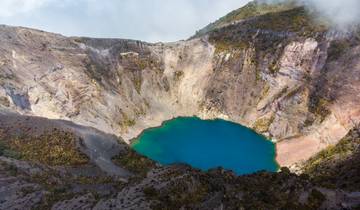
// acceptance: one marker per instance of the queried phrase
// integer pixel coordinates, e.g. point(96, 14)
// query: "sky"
point(147, 20)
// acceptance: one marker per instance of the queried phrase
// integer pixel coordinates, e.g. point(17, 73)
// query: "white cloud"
point(341, 13)
point(149, 20)
point(10, 8)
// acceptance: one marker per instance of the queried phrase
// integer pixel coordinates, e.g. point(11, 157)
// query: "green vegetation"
point(337, 166)
point(316, 198)
point(295, 20)
point(135, 61)
point(137, 83)
point(95, 71)
point(150, 192)
point(319, 108)
point(178, 75)
point(337, 49)
point(190, 189)
point(92, 180)
point(139, 112)
point(129, 122)
point(178, 193)
point(60, 186)
point(7, 152)
point(56, 194)
point(4, 101)
point(55, 148)
point(224, 46)
point(126, 122)
point(265, 91)
point(144, 63)
point(134, 162)
point(294, 91)
point(268, 32)
point(9, 169)
point(252, 9)
point(274, 67)
point(262, 125)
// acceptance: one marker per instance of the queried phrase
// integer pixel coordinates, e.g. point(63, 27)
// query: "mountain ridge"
point(250, 10)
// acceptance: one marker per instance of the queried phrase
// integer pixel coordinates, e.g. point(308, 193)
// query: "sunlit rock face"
point(293, 82)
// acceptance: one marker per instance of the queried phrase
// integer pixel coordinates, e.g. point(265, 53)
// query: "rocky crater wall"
point(298, 90)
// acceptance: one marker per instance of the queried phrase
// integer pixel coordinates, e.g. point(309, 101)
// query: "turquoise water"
point(207, 144)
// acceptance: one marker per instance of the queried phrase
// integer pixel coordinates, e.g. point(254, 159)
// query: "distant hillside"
point(252, 9)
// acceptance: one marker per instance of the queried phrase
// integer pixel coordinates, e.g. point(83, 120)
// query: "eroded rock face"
point(291, 87)
point(17, 192)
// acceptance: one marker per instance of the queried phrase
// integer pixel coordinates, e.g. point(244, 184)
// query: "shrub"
point(134, 162)
point(316, 198)
point(52, 148)
point(336, 49)
point(7, 152)
point(262, 125)
point(150, 192)
point(178, 75)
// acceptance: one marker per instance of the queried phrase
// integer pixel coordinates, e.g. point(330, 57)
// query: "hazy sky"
point(148, 20)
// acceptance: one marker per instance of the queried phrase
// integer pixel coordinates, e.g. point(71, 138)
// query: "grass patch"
point(337, 166)
point(274, 67)
point(316, 198)
point(296, 20)
point(250, 10)
point(225, 46)
point(178, 75)
point(55, 149)
point(56, 195)
point(5, 150)
point(337, 49)
point(4, 101)
point(262, 125)
point(137, 84)
point(267, 32)
point(319, 106)
point(179, 194)
point(134, 162)
point(150, 192)
point(126, 122)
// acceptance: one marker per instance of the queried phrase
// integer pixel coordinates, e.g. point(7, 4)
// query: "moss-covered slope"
point(250, 10)
point(338, 166)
